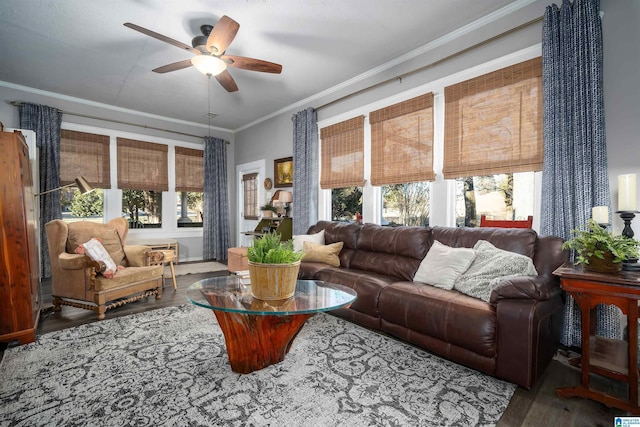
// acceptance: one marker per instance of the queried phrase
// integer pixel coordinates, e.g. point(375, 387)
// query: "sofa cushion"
point(125, 278)
point(339, 232)
point(367, 285)
point(491, 266)
point(325, 254)
point(391, 251)
point(82, 231)
point(443, 265)
point(299, 240)
point(519, 240)
point(446, 315)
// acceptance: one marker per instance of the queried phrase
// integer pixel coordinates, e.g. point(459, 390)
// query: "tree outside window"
point(82, 207)
point(501, 196)
point(142, 208)
point(345, 202)
point(405, 204)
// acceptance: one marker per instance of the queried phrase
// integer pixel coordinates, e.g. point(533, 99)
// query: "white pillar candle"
point(600, 214)
point(627, 192)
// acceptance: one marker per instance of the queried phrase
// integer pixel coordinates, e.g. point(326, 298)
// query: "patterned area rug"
point(169, 367)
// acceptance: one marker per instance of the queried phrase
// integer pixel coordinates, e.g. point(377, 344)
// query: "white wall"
point(621, 23)
point(621, 33)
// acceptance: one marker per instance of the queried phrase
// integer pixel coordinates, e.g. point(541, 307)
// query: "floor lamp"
point(79, 182)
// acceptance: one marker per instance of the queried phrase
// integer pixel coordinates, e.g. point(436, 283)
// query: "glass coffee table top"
point(229, 294)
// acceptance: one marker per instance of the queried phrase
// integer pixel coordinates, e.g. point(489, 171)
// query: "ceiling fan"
point(209, 50)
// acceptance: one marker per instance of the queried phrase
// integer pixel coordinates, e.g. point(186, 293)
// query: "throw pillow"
point(298, 241)
point(443, 265)
point(326, 254)
point(94, 250)
point(491, 266)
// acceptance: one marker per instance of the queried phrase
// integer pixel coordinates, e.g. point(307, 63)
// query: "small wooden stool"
point(169, 258)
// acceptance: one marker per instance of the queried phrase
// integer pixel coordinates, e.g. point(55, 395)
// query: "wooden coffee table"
point(260, 333)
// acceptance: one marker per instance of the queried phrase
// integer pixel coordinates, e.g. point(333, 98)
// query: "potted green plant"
point(599, 250)
point(268, 210)
point(273, 267)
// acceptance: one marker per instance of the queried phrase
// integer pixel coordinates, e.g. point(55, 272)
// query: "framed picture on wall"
point(283, 172)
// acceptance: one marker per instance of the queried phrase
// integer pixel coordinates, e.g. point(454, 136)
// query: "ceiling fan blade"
point(173, 67)
point(252, 64)
point(161, 37)
point(222, 35)
point(227, 82)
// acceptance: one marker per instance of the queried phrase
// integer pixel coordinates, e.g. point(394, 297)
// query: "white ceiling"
point(80, 48)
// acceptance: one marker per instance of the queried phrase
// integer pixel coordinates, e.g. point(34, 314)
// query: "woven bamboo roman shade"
point(402, 142)
point(87, 155)
point(493, 123)
point(142, 165)
point(342, 150)
point(250, 186)
point(189, 170)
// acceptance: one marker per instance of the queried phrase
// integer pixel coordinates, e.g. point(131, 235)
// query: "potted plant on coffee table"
point(273, 267)
point(599, 250)
point(268, 210)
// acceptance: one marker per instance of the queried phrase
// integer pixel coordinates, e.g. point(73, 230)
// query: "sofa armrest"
point(542, 287)
point(69, 261)
point(141, 256)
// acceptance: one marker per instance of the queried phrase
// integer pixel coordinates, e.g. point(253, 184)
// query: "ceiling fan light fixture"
point(208, 64)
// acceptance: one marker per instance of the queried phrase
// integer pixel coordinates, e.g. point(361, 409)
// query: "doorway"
point(249, 179)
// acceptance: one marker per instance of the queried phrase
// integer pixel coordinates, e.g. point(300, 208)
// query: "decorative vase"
point(271, 282)
point(267, 214)
point(603, 265)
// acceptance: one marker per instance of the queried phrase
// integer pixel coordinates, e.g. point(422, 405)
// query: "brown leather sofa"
point(513, 337)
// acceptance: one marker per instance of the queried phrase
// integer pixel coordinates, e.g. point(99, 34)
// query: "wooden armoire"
point(20, 297)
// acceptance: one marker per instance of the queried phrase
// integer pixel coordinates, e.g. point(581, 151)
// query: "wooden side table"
point(617, 359)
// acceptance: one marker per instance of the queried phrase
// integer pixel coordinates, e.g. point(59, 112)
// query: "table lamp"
point(286, 197)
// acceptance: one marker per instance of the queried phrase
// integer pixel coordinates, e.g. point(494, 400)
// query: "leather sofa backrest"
point(393, 251)
point(519, 240)
point(549, 254)
point(339, 232)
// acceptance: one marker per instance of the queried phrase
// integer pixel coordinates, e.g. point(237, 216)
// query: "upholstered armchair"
point(77, 280)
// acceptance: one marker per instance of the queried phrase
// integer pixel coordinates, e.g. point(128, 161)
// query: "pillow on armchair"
point(94, 250)
point(81, 233)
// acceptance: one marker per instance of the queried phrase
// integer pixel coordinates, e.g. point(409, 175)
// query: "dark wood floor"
point(536, 407)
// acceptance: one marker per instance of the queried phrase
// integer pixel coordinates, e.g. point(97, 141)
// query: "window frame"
point(113, 196)
point(442, 192)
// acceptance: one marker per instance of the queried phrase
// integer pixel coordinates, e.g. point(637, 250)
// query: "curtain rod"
point(18, 103)
point(424, 67)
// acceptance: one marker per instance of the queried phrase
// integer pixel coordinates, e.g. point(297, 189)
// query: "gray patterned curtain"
point(215, 227)
point(45, 122)
point(305, 170)
point(575, 174)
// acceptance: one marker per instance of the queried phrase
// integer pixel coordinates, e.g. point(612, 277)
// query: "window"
point(342, 151)
point(402, 142)
point(493, 142)
point(250, 191)
point(142, 176)
point(342, 167)
point(346, 203)
point(189, 168)
point(501, 196)
point(405, 204)
point(87, 155)
point(402, 159)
